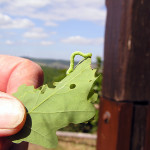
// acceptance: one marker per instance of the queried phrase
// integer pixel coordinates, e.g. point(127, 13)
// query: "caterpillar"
point(88, 55)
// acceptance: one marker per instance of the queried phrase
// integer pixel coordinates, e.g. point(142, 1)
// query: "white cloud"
point(46, 43)
point(8, 22)
point(9, 42)
point(35, 33)
point(52, 24)
point(52, 11)
point(3, 1)
point(29, 3)
point(83, 41)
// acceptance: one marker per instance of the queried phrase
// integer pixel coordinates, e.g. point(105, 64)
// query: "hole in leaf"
point(72, 86)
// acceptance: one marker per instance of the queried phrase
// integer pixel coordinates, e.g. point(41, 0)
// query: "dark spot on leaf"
point(72, 86)
point(90, 80)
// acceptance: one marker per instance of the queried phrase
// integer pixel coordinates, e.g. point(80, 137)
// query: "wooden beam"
point(114, 125)
point(126, 82)
point(127, 51)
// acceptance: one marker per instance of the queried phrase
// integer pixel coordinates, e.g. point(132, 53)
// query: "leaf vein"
point(57, 90)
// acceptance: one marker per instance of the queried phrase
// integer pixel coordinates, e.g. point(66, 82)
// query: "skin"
point(15, 71)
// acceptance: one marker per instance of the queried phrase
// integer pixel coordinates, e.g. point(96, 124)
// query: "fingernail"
point(11, 113)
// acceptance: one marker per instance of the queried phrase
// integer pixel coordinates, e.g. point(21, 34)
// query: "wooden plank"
point(147, 132)
point(127, 51)
point(126, 77)
point(139, 127)
point(114, 125)
point(140, 138)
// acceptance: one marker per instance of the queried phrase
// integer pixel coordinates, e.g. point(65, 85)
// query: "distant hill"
point(54, 63)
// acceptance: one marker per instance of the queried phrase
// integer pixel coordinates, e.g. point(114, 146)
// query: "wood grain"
point(127, 51)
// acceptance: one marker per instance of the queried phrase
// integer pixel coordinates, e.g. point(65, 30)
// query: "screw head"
point(106, 117)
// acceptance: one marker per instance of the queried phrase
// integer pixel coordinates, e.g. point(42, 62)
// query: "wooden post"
point(124, 120)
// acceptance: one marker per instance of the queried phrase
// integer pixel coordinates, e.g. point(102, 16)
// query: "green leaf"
point(49, 109)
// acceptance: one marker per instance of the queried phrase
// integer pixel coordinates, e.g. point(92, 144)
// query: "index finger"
point(16, 71)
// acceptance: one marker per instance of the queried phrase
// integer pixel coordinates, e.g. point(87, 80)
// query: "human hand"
point(14, 71)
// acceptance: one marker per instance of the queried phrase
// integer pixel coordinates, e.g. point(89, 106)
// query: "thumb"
point(12, 115)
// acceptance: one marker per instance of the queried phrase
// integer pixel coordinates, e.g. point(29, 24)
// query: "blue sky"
point(52, 28)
